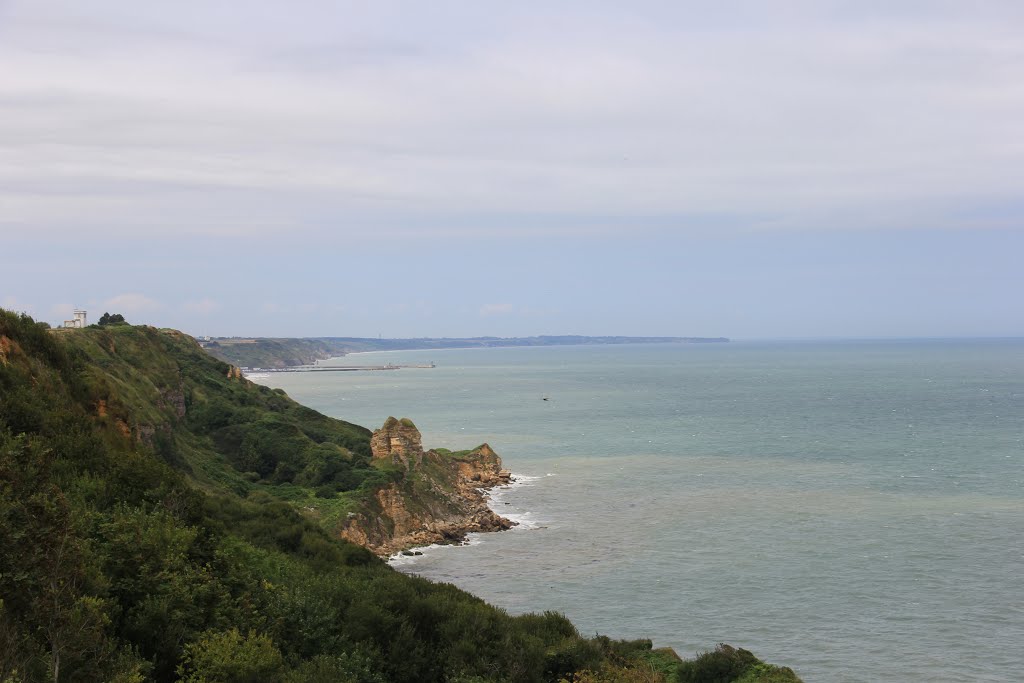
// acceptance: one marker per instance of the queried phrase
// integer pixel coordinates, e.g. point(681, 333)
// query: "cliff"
point(438, 498)
point(270, 353)
point(173, 521)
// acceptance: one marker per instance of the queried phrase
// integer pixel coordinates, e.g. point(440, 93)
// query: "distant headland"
point(282, 352)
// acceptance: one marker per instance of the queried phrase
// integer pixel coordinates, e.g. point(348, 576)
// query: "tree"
point(43, 583)
point(115, 319)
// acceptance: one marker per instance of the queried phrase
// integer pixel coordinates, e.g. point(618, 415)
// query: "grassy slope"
point(156, 502)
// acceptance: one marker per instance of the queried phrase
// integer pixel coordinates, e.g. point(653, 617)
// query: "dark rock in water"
point(417, 552)
point(409, 553)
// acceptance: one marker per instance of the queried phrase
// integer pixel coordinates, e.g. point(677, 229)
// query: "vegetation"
point(153, 528)
point(727, 663)
point(108, 319)
point(271, 353)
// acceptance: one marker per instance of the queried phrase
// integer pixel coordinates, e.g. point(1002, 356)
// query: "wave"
point(402, 559)
point(523, 518)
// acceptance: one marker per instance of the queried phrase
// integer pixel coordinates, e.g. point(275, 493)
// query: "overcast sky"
point(746, 169)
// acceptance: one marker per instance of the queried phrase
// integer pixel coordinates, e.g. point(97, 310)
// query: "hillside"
point(285, 352)
point(162, 518)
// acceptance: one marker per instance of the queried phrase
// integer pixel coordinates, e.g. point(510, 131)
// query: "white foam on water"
point(496, 501)
point(401, 559)
point(524, 520)
point(521, 480)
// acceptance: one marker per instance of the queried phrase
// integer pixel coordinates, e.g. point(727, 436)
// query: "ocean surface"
point(854, 510)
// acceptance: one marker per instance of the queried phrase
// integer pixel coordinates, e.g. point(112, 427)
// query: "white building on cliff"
point(78, 322)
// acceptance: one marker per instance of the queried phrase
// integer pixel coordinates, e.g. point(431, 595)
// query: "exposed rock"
point(398, 440)
point(482, 466)
point(144, 433)
point(440, 498)
point(5, 348)
point(175, 398)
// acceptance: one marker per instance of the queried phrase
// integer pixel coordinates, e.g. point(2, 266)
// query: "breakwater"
point(334, 368)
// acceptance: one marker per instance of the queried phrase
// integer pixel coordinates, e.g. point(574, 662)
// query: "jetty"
point(334, 368)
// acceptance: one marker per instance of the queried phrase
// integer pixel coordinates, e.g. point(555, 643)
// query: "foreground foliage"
point(149, 531)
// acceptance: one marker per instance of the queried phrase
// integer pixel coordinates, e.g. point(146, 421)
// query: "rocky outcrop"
point(173, 399)
point(5, 349)
point(398, 440)
point(439, 498)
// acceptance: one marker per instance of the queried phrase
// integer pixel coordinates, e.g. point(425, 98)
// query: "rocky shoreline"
point(438, 498)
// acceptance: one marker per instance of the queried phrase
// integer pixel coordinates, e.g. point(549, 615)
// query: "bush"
point(724, 664)
point(115, 319)
point(230, 657)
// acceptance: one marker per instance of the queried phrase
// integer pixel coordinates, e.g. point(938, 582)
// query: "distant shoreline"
point(283, 352)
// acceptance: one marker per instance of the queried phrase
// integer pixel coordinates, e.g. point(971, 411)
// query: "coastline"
point(266, 352)
point(407, 558)
point(435, 497)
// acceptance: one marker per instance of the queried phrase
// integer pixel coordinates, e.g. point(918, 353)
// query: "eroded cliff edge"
point(437, 496)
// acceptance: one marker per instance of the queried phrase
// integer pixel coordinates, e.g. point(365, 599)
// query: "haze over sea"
point(851, 509)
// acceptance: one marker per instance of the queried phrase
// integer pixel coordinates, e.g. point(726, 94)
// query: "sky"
point(408, 169)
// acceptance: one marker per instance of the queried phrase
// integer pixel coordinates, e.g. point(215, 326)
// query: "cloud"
point(816, 116)
point(132, 303)
point(204, 306)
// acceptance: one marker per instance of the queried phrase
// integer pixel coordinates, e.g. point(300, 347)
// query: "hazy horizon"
point(754, 171)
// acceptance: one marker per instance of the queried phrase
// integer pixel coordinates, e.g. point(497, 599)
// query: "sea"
point(851, 509)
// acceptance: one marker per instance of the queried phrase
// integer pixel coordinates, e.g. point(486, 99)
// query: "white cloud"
point(132, 303)
point(808, 115)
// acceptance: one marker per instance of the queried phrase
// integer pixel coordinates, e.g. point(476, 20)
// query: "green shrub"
point(724, 664)
point(230, 657)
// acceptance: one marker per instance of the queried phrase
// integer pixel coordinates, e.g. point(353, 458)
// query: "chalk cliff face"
point(439, 497)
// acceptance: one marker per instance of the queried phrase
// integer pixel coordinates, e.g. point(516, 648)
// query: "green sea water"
point(854, 510)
